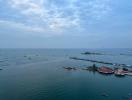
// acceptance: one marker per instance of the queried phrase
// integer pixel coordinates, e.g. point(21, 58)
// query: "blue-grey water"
point(38, 74)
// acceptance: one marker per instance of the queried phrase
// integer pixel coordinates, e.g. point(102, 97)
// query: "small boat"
point(70, 68)
point(105, 70)
point(129, 73)
point(120, 72)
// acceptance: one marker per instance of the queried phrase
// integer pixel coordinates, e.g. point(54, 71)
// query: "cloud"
point(28, 7)
point(94, 9)
point(60, 15)
point(21, 26)
point(52, 16)
point(99, 8)
point(20, 29)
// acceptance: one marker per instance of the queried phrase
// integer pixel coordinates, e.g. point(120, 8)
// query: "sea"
point(39, 74)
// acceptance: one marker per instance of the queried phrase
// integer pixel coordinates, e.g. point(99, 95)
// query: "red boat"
point(105, 70)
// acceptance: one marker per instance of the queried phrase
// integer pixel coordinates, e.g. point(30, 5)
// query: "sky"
point(65, 23)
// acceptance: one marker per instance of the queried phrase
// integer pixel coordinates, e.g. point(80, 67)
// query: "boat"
point(105, 70)
point(129, 73)
point(70, 68)
point(120, 72)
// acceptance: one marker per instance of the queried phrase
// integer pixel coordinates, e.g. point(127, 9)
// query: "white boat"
point(120, 72)
point(129, 73)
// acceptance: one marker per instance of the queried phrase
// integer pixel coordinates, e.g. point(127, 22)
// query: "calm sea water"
point(38, 74)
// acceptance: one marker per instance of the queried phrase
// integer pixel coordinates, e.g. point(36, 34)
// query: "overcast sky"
point(65, 23)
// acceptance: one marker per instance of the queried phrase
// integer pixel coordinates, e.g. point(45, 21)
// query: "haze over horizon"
point(65, 24)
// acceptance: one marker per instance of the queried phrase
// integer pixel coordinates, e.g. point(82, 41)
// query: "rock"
point(29, 58)
point(92, 53)
point(70, 68)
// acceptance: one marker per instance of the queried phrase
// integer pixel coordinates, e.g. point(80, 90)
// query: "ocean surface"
point(38, 74)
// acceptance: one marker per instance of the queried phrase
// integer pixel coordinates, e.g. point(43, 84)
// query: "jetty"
point(102, 62)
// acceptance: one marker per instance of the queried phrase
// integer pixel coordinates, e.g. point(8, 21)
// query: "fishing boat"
point(120, 72)
point(70, 68)
point(129, 73)
point(105, 70)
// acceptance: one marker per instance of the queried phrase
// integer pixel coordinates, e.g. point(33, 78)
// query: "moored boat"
point(105, 70)
point(120, 72)
point(129, 73)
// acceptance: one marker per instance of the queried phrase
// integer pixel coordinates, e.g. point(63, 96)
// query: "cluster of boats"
point(105, 70)
point(116, 71)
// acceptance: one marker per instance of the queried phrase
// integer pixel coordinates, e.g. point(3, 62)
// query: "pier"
point(102, 62)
